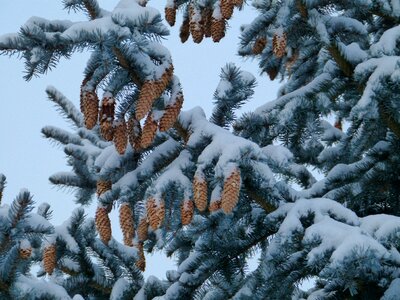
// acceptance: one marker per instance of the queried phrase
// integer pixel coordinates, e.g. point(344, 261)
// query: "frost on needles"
point(214, 192)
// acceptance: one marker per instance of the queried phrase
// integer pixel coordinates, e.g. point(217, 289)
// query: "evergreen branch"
point(126, 65)
point(343, 64)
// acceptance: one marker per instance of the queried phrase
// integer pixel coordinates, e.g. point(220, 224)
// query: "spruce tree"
point(213, 192)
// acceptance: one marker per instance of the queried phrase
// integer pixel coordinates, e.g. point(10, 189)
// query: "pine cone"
point(50, 258)
point(279, 44)
point(141, 262)
point(103, 224)
point(184, 31)
point(146, 99)
point(338, 124)
point(161, 85)
point(155, 212)
point(196, 27)
point(25, 253)
point(170, 15)
point(238, 3)
point(217, 29)
point(227, 8)
point(171, 114)
point(230, 193)
point(200, 192)
point(103, 186)
point(142, 229)
point(206, 17)
point(126, 223)
point(291, 61)
point(214, 205)
point(106, 118)
point(272, 73)
point(90, 108)
point(149, 132)
point(134, 133)
point(259, 45)
point(120, 136)
point(187, 208)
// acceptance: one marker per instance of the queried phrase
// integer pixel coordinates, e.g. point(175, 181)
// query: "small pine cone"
point(146, 99)
point(142, 229)
point(103, 224)
point(107, 130)
point(134, 133)
point(279, 44)
point(230, 193)
point(155, 212)
point(227, 8)
point(206, 17)
point(120, 136)
point(141, 262)
point(171, 114)
point(200, 193)
point(214, 205)
point(90, 108)
point(149, 132)
point(184, 31)
point(25, 253)
point(103, 186)
point(187, 208)
point(170, 15)
point(238, 3)
point(272, 73)
point(49, 259)
point(259, 45)
point(217, 29)
point(126, 223)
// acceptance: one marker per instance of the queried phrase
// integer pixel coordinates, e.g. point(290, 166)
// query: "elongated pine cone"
point(142, 229)
point(230, 193)
point(103, 186)
point(279, 44)
point(161, 85)
point(120, 136)
point(272, 73)
point(259, 45)
point(106, 117)
point(149, 132)
point(103, 224)
point(134, 133)
point(170, 15)
point(187, 210)
point(50, 258)
point(291, 61)
point(126, 223)
point(200, 192)
point(171, 114)
point(206, 18)
point(155, 212)
point(146, 99)
point(227, 8)
point(217, 29)
point(184, 31)
point(141, 262)
point(90, 108)
point(214, 205)
point(195, 25)
point(25, 253)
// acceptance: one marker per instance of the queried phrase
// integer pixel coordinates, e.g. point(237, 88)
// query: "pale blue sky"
point(27, 159)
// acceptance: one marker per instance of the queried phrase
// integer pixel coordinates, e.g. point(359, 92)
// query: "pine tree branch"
point(388, 120)
point(343, 64)
point(125, 64)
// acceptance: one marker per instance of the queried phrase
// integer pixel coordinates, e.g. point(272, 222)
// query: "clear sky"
point(27, 159)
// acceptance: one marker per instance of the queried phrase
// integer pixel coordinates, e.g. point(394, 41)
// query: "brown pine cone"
point(103, 186)
point(155, 212)
point(106, 117)
point(200, 192)
point(170, 15)
point(126, 223)
point(146, 99)
point(149, 132)
point(134, 133)
point(25, 252)
point(184, 31)
point(195, 25)
point(120, 136)
point(230, 193)
point(214, 205)
point(187, 210)
point(90, 108)
point(259, 45)
point(272, 73)
point(161, 84)
point(142, 229)
point(103, 224)
point(141, 262)
point(217, 29)
point(171, 114)
point(279, 44)
point(227, 8)
point(238, 3)
point(206, 18)
point(50, 258)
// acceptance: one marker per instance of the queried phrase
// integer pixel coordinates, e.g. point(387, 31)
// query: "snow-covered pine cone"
point(161, 85)
point(279, 44)
point(171, 114)
point(25, 250)
point(230, 193)
point(146, 99)
point(103, 224)
point(49, 258)
point(215, 204)
point(142, 229)
point(155, 212)
point(238, 3)
point(200, 192)
point(134, 132)
point(126, 223)
point(184, 31)
point(149, 132)
point(90, 108)
point(259, 45)
point(120, 136)
point(103, 186)
point(106, 117)
point(217, 29)
point(227, 8)
point(196, 26)
point(170, 15)
point(141, 262)
point(206, 18)
point(187, 210)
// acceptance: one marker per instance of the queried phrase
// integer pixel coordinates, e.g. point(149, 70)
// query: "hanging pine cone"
point(155, 212)
point(195, 25)
point(25, 250)
point(134, 133)
point(170, 15)
point(90, 108)
point(272, 73)
point(142, 229)
point(146, 99)
point(141, 262)
point(291, 61)
point(161, 84)
point(149, 132)
point(279, 44)
point(230, 193)
point(200, 192)
point(106, 117)
point(171, 114)
point(214, 205)
point(103, 224)
point(259, 45)
point(126, 223)
point(120, 136)
point(184, 31)
point(206, 18)
point(103, 186)
point(227, 8)
point(49, 259)
point(187, 208)
point(217, 29)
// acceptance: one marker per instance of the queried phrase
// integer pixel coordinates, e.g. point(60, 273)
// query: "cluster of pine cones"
point(203, 22)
